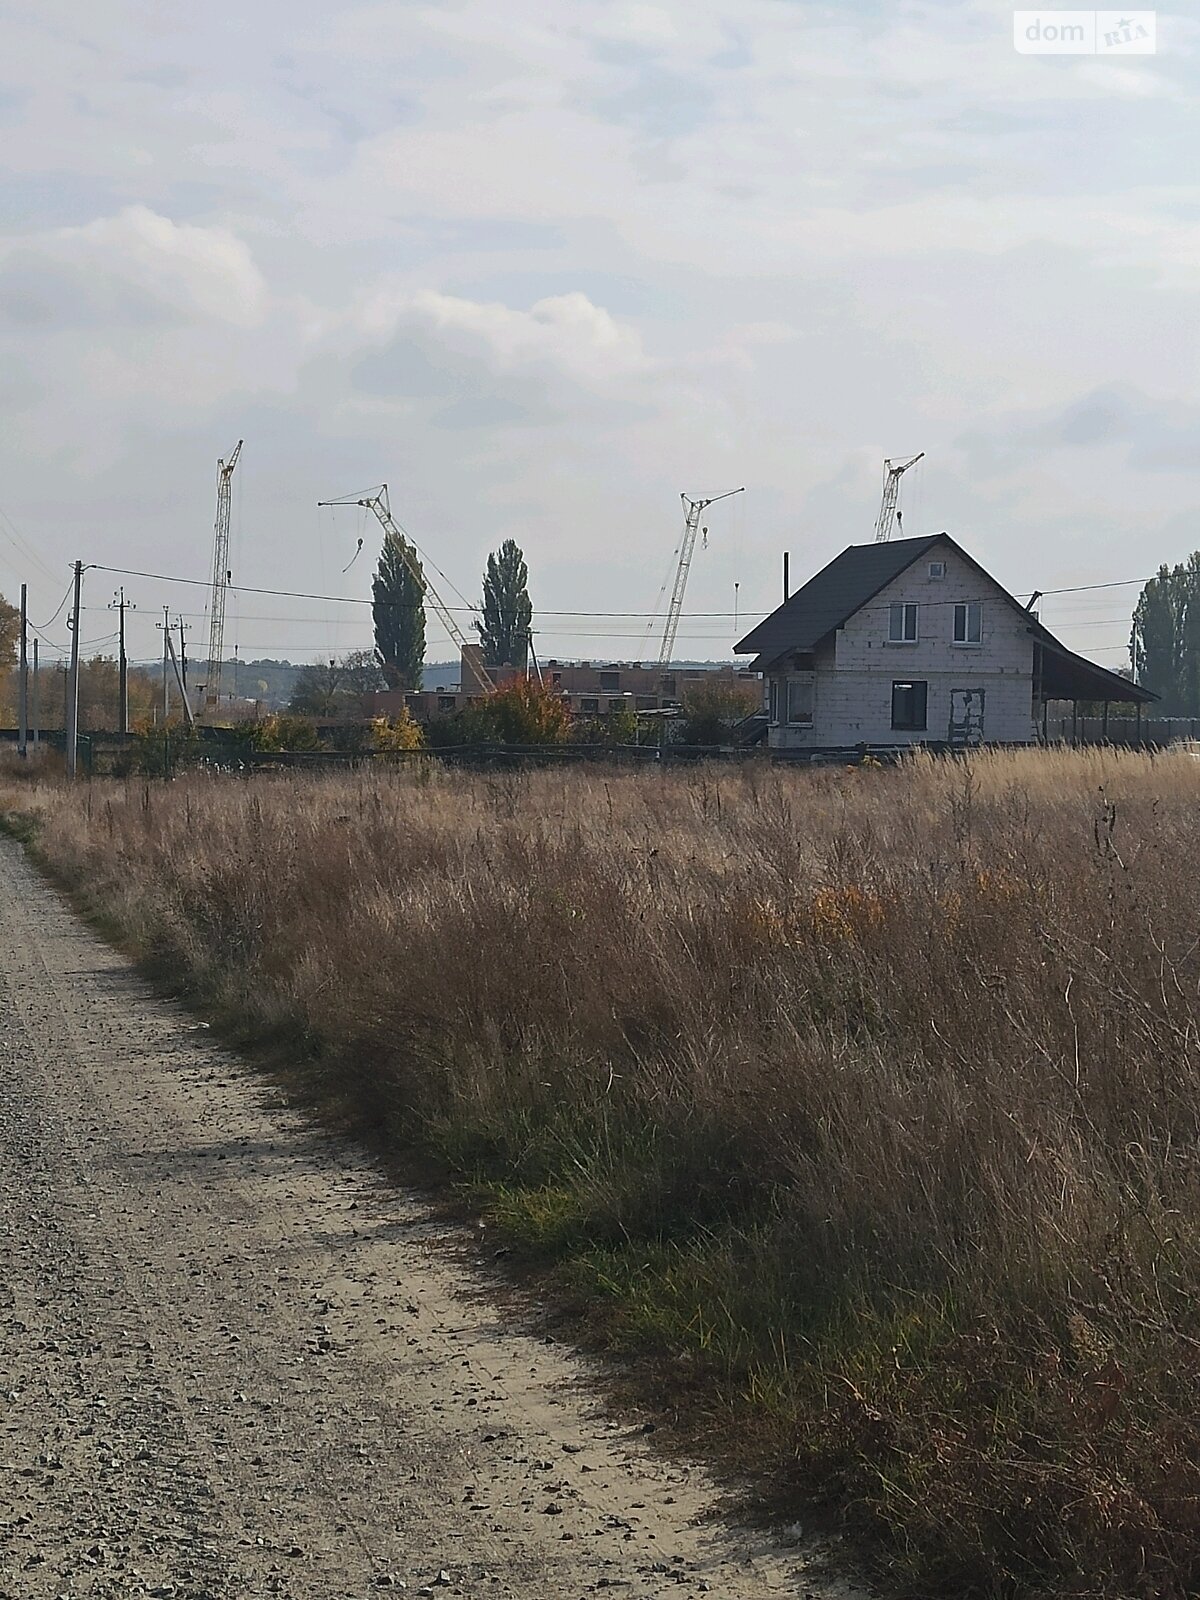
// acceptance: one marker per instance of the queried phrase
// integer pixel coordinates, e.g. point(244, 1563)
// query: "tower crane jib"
point(893, 471)
point(693, 510)
point(377, 502)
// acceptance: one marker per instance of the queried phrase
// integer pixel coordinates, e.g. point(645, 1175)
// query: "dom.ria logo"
point(1085, 33)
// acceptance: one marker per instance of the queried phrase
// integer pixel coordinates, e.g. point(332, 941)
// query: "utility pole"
point(37, 697)
point(183, 666)
point(165, 625)
point(187, 707)
point(121, 605)
point(533, 656)
point(23, 683)
point(71, 709)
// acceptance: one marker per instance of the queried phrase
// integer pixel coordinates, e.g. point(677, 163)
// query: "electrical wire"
point(357, 600)
point(57, 610)
point(22, 546)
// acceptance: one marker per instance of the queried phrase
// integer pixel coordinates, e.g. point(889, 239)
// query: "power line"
point(57, 610)
point(359, 600)
point(22, 546)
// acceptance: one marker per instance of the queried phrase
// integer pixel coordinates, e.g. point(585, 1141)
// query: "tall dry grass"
point(871, 1098)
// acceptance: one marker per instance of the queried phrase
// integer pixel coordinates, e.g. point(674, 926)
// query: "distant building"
point(590, 689)
point(910, 643)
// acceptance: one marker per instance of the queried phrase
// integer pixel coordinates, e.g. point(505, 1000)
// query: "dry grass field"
point(868, 1102)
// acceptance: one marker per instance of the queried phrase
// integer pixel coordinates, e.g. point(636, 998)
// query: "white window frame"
point(965, 612)
point(937, 570)
point(796, 685)
point(900, 614)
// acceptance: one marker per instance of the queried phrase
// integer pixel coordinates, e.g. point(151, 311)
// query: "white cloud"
point(548, 266)
point(136, 267)
point(566, 332)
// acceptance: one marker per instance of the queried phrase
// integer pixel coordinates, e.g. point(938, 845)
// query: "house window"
point(937, 569)
point(587, 704)
point(616, 705)
point(610, 682)
point(968, 623)
point(556, 678)
point(902, 624)
point(800, 701)
point(908, 706)
point(773, 700)
point(446, 702)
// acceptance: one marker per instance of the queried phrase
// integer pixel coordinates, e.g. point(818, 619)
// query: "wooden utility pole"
point(23, 681)
point(37, 695)
point(71, 709)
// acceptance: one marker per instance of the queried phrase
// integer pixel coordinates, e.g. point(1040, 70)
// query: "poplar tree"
point(1165, 646)
point(398, 612)
point(507, 609)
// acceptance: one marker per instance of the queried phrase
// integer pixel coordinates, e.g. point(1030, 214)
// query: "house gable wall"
point(854, 673)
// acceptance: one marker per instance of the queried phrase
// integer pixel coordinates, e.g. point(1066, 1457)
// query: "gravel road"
point(235, 1362)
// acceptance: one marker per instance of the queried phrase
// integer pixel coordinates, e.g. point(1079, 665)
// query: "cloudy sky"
point(542, 267)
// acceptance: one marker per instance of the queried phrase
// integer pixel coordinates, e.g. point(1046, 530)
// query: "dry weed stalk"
point(875, 1093)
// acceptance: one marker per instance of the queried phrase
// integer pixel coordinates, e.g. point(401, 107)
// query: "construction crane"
point(376, 501)
point(693, 510)
point(893, 471)
point(221, 577)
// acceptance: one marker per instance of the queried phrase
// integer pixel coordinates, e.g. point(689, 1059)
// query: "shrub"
point(280, 732)
point(397, 733)
point(522, 712)
point(712, 710)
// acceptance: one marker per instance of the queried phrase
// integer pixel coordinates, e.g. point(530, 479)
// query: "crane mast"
point(221, 575)
point(377, 502)
point(693, 510)
point(893, 471)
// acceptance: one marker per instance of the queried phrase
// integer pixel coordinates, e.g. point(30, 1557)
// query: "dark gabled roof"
point(833, 596)
point(855, 577)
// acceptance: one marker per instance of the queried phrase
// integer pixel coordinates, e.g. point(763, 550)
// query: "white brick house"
point(911, 642)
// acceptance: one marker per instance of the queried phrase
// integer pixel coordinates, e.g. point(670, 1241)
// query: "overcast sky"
point(542, 267)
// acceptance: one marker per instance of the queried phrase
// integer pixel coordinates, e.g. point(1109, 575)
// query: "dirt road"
point(234, 1362)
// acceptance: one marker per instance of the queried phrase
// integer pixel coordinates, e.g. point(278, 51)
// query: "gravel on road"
point(236, 1362)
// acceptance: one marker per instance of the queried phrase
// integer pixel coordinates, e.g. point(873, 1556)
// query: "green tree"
point(713, 710)
point(361, 673)
point(318, 691)
point(338, 688)
point(507, 609)
point(617, 728)
point(1165, 644)
point(398, 612)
